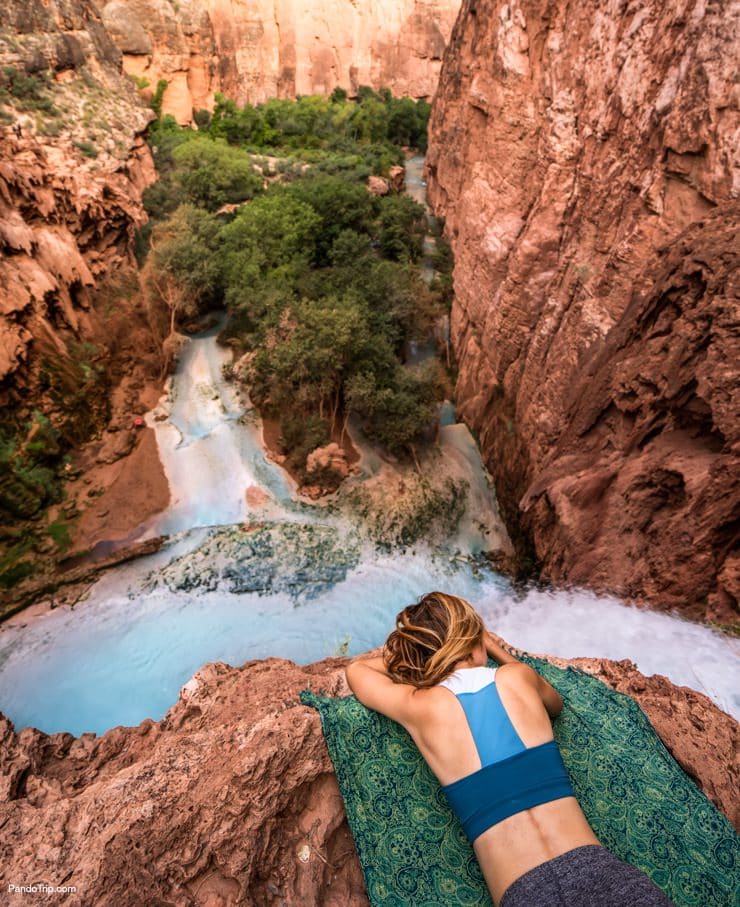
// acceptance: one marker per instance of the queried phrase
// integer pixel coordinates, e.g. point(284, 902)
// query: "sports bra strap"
point(468, 680)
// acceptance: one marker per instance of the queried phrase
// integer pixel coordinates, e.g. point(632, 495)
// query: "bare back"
point(505, 851)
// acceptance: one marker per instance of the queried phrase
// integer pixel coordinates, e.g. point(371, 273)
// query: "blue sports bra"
point(512, 777)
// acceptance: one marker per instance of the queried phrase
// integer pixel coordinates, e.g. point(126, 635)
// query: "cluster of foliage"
point(332, 135)
point(321, 278)
point(27, 467)
point(33, 455)
point(77, 387)
point(29, 92)
point(333, 124)
point(28, 480)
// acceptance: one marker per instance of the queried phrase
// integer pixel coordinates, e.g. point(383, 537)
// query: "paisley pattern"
point(640, 803)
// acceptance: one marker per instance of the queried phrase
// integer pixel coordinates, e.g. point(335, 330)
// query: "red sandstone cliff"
point(586, 161)
point(217, 803)
point(252, 51)
point(71, 178)
point(78, 350)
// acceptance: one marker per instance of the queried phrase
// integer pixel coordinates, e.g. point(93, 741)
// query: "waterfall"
point(123, 653)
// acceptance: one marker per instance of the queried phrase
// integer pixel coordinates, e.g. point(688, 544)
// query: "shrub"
point(301, 434)
point(158, 97)
point(87, 148)
point(29, 91)
point(59, 533)
point(139, 81)
point(202, 119)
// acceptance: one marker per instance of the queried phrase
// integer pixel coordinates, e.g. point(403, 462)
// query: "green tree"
point(265, 249)
point(349, 249)
point(277, 226)
point(400, 304)
point(211, 173)
point(309, 354)
point(399, 410)
point(403, 121)
point(423, 112)
point(202, 119)
point(187, 246)
point(369, 121)
point(402, 226)
point(339, 204)
point(366, 93)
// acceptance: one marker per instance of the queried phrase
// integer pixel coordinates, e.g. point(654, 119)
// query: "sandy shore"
point(133, 489)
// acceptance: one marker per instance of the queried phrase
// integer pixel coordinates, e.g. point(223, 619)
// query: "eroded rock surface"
point(231, 798)
point(280, 48)
point(73, 165)
point(80, 351)
point(586, 161)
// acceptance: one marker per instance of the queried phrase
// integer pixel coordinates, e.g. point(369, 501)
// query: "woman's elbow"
point(348, 673)
point(555, 706)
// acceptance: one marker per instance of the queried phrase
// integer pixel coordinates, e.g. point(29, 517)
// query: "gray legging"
point(588, 876)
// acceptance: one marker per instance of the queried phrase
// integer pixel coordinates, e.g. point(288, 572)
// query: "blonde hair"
point(430, 638)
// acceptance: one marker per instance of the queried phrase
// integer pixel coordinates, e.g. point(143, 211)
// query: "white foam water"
point(123, 655)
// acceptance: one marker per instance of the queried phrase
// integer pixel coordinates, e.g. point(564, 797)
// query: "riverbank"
point(275, 451)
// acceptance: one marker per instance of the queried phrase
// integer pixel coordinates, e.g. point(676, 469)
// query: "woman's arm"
point(377, 663)
point(550, 697)
point(495, 649)
point(369, 680)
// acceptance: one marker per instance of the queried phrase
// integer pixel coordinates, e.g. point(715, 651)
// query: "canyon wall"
point(252, 51)
point(73, 165)
point(586, 159)
point(79, 351)
point(231, 798)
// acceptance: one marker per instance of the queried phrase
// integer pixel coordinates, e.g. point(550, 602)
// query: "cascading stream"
point(292, 580)
point(209, 454)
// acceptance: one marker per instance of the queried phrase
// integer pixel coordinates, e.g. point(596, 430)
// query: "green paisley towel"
point(640, 803)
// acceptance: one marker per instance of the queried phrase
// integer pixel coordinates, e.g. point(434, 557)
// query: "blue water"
point(117, 660)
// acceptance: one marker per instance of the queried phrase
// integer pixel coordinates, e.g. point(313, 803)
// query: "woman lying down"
point(486, 734)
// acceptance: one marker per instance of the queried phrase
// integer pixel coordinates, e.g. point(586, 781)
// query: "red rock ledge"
point(215, 803)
